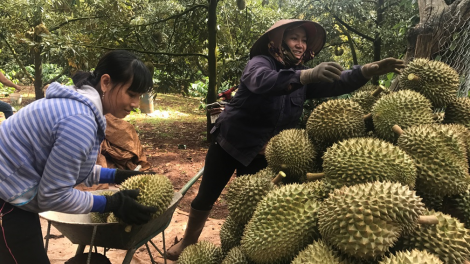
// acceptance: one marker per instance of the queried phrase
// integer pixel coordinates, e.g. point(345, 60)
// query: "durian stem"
point(413, 77)
point(315, 176)
point(368, 116)
point(428, 220)
point(279, 177)
point(466, 262)
point(378, 91)
point(397, 130)
point(128, 229)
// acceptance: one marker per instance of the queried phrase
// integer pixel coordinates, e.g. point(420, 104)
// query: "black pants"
point(21, 230)
point(218, 169)
point(6, 109)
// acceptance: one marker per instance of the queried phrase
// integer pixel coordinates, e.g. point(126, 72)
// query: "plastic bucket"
point(15, 98)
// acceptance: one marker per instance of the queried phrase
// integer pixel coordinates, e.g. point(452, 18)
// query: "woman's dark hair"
point(121, 66)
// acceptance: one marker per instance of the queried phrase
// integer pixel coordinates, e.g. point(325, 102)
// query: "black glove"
point(126, 208)
point(122, 175)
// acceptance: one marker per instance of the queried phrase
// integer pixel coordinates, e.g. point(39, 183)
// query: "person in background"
point(52, 144)
point(5, 107)
point(273, 88)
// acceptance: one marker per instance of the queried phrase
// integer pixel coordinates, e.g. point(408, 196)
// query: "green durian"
point(458, 112)
point(231, 234)
point(292, 152)
point(449, 239)
point(403, 108)
point(436, 80)
point(413, 257)
point(366, 99)
point(236, 256)
point(154, 190)
point(203, 252)
point(440, 156)
point(335, 120)
point(318, 253)
point(101, 217)
point(360, 160)
point(365, 220)
point(283, 224)
point(458, 206)
point(244, 193)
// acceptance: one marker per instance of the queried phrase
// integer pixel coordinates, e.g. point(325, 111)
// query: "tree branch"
point(349, 27)
point(173, 16)
point(70, 21)
point(149, 52)
point(31, 78)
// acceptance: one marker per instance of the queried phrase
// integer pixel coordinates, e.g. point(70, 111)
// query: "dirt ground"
point(179, 165)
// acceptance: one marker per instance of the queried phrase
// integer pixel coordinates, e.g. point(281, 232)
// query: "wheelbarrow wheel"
point(96, 258)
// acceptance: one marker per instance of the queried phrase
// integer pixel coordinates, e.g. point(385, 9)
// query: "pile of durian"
point(380, 177)
point(154, 190)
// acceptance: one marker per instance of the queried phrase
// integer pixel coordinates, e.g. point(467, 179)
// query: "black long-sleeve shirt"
point(270, 99)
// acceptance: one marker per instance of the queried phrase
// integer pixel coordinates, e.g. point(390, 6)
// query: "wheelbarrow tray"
point(78, 228)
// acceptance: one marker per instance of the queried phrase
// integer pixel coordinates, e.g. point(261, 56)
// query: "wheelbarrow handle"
point(191, 182)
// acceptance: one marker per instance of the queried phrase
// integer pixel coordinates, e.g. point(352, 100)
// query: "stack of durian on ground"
point(154, 190)
point(381, 177)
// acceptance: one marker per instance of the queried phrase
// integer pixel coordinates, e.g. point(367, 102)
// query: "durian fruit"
point(283, 224)
point(335, 120)
point(360, 160)
point(236, 256)
point(458, 206)
point(112, 218)
point(366, 99)
point(244, 193)
point(101, 217)
point(318, 253)
point(369, 87)
point(449, 239)
point(318, 189)
point(203, 252)
point(413, 257)
point(365, 220)
point(436, 80)
point(292, 152)
point(440, 158)
point(403, 108)
point(154, 190)
point(458, 112)
point(231, 234)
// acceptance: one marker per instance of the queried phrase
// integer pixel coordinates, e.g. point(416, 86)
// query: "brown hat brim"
point(316, 36)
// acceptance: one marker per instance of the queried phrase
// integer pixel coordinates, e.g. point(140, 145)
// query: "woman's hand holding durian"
point(384, 66)
point(124, 206)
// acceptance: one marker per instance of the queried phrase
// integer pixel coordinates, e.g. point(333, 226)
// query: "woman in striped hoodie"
point(52, 144)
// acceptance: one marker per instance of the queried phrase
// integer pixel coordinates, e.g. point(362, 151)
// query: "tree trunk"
point(437, 23)
point(212, 60)
point(38, 73)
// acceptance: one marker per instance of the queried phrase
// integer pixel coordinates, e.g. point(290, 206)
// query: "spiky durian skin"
point(440, 159)
point(365, 99)
point(283, 224)
point(231, 234)
point(366, 88)
point(413, 257)
point(437, 81)
point(244, 193)
point(203, 252)
point(112, 218)
point(458, 112)
point(404, 108)
point(458, 206)
point(318, 253)
point(335, 120)
point(236, 256)
point(101, 217)
point(292, 152)
point(360, 160)
point(365, 220)
point(449, 239)
point(154, 190)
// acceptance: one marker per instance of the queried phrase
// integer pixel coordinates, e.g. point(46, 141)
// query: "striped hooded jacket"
point(50, 146)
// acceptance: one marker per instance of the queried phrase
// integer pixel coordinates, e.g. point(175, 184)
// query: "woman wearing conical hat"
point(272, 90)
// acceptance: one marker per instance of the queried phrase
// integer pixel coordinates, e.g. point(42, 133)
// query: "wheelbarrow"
point(79, 229)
